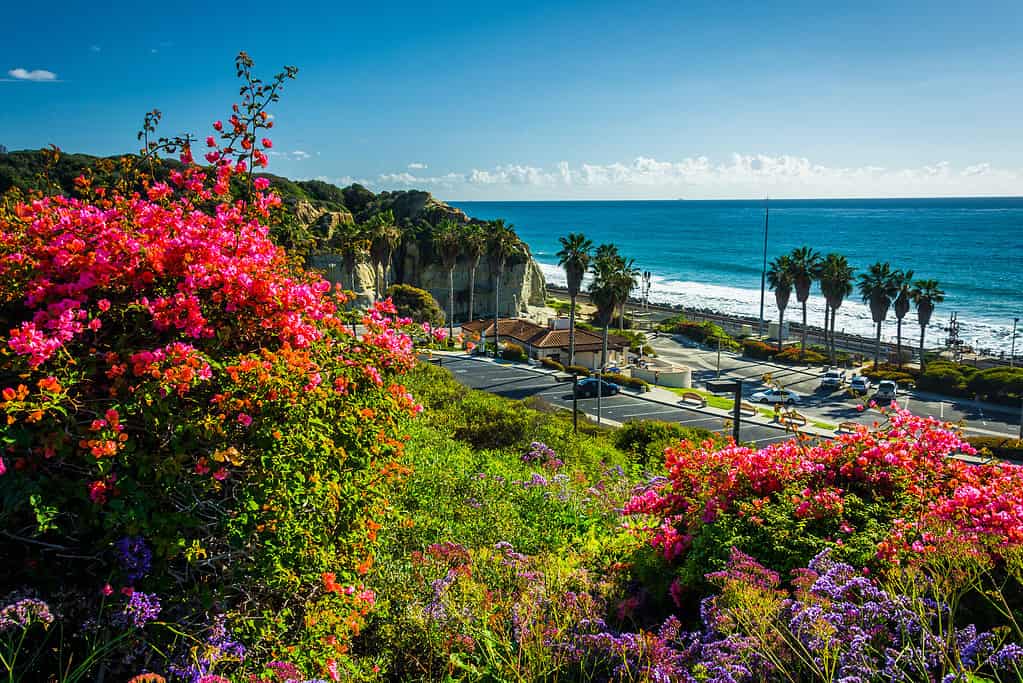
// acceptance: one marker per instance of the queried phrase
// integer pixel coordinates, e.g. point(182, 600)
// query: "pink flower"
point(244, 419)
point(261, 184)
point(104, 305)
point(220, 475)
point(3, 467)
point(107, 589)
point(218, 126)
point(267, 143)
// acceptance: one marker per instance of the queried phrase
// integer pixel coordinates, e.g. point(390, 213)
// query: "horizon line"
point(726, 199)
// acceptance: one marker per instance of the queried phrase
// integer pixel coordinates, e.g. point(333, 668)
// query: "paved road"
point(831, 406)
point(518, 383)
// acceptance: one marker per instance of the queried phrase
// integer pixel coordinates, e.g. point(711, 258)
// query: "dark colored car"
point(588, 387)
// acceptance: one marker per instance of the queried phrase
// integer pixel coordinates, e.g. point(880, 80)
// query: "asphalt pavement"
point(520, 383)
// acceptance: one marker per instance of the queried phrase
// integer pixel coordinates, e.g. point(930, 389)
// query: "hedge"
point(626, 381)
point(513, 352)
point(758, 349)
point(702, 333)
point(998, 446)
point(793, 354)
point(552, 364)
point(577, 370)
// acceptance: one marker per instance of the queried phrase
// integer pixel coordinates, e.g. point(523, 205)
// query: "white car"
point(833, 378)
point(776, 396)
point(887, 391)
point(860, 384)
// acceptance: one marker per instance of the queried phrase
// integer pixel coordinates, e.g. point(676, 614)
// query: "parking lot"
point(519, 383)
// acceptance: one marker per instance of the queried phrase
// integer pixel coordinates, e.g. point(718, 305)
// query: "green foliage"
point(753, 348)
point(647, 439)
point(513, 352)
point(701, 332)
point(417, 304)
point(998, 384)
point(998, 447)
point(794, 355)
point(626, 381)
point(578, 370)
point(552, 364)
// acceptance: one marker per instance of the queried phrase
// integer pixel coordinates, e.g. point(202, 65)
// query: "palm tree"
point(502, 242)
point(354, 247)
point(926, 295)
point(836, 278)
point(806, 264)
point(626, 279)
point(780, 279)
point(447, 241)
point(901, 307)
point(384, 238)
point(604, 289)
point(474, 241)
point(878, 287)
point(574, 257)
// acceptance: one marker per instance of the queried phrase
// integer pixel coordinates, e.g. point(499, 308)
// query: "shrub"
point(703, 332)
point(626, 381)
point(865, 496)
point(513, 352)
point(793, 354)
point(998, 447)
point(943, 378)
point(578, 370)
point(552, 364)
point(185, 411)
point(649, 351)
point(415, 303)
point(647, 439)
point(998, 384)
point(753, 348)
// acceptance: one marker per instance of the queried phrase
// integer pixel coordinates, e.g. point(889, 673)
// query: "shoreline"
point(857, 344)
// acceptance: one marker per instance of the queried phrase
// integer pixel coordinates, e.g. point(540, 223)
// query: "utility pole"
point(719, 358)
point(575, 402)
point(1012, 354)
point(763, 270)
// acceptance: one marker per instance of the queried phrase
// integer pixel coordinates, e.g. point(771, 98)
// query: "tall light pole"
point(1012, 354)
point(763, 271)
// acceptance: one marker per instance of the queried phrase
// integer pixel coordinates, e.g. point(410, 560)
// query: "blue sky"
point(554, 99)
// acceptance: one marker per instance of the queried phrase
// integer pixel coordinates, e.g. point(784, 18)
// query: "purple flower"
point(135, 557)
point(141, 609)
point(24, 613)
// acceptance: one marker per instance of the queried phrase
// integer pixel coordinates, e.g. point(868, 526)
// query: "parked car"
point(776, 396)
point(833, 379)
point(588, 387)
point(860, 384)
point(887, 391)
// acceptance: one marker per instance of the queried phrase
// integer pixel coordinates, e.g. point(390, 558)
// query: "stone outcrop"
point(522, 285)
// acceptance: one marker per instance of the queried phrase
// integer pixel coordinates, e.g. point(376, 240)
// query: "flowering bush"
point(185, 411)
point(885, 495)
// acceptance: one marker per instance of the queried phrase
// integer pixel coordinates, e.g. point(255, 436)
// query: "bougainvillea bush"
point(191, 435)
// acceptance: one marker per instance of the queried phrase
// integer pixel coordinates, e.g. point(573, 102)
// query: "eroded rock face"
point(414, 264)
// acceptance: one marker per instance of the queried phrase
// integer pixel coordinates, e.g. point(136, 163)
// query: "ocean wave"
point(853, 316)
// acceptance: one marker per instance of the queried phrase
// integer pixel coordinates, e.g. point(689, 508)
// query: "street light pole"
point(719, 357)
point(763, 271)
point(1012, 354)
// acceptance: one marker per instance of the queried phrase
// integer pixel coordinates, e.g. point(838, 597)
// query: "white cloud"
point(37, 75)
point(294, 155)
point(741, 175)
point(417, 166)
point(95, 48)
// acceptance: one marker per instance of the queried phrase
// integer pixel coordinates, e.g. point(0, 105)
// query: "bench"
point(848, 427)
point(792, 419)
point(748, 409)
point(694, 398)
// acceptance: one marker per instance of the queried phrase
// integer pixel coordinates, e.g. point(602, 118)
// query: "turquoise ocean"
point(708, 254)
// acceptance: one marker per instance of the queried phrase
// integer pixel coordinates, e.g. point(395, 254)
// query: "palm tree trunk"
point(827, 311)
point(781, 322)
point(621, 318)
point(603, 350)
point(898, 340)
point(834, 352)
point(923, 365)
point(571, 330)
point(451, 304)
point(802, 343)
point(497, 309)
point(877, 345)
point(472, 288)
